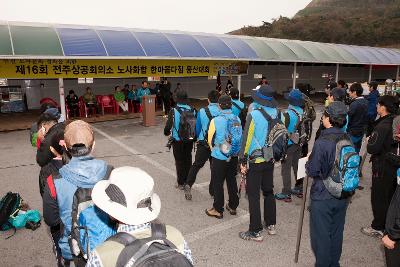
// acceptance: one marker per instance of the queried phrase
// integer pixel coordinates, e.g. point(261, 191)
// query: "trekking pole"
point(300, 225)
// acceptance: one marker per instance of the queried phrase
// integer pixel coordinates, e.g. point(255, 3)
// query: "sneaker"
point(369, 231)
point(284, 197)
point(271, 229)
point(213, 213)
point(179, 186)
point(231, 211)
point(188, 192)
point(297, 191)
point(249, 235)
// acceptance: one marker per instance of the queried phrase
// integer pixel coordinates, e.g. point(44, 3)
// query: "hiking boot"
point(179, 186)
point(369, 231)
point(271, 229)
point(297, 191)
point(231, 211)
point(188, 192)
point(284, 197)
point(251, 236)
point(213, 213)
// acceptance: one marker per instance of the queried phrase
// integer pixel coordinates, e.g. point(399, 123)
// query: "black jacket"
point(358, 120)
point(43, 154)
point(380, 144)
point(392, 226)
point(50, 168)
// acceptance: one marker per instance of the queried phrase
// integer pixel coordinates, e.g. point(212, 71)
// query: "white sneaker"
point(271, 229)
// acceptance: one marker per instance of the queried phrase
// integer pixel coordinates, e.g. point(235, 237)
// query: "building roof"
point(38, 40)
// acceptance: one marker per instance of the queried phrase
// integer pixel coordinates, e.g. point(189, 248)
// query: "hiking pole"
point(300, 225)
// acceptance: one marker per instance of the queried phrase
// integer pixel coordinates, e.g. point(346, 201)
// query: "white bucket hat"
point(128, 196)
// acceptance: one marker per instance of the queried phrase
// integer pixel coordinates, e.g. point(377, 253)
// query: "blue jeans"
point(327, 218)
point(357, 141)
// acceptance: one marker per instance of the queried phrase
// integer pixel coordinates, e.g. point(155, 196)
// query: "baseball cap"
point(336, 109)
point(78, 132)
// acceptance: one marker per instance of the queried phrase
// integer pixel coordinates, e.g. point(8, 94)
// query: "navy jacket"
point(320, 164)
point(358, 122)
point(372, 102)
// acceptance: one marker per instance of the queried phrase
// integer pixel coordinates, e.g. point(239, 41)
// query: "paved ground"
point(213, 242)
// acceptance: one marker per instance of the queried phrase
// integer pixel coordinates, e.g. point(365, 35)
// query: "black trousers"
point(167, 104)
point(221, 171)
point(382, 191)
point(393, 256)
point(203, 153)
point(261, 177)
point(183, 160)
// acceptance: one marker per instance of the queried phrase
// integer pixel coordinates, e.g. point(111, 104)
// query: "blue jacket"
point(293, 119)
point(255, 132)
point(82, 172)
point(320, 164)
point(372, 102)
point(142, 92)
point(357, 121)
point(132, 95)
point(203, 121)
point(235, 110)
point(219, 124)
point(173, 121)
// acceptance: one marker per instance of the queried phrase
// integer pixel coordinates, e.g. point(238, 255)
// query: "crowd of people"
point(82, 194)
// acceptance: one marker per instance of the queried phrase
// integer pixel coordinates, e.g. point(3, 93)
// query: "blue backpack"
point(233, 137)
point(344, 176)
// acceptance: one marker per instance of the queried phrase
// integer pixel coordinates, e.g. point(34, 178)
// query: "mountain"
point(357, 22)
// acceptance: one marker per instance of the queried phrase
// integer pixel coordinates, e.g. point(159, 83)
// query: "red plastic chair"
point(49, 101)
point(107, 102)
point(83, 112)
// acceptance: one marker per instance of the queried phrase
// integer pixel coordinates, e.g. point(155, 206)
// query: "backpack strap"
point(208, 113)
point(298, 118)
point(237, 106)
point(122, 238)
point(267, 117)
point(108, 172)
point(158, 230)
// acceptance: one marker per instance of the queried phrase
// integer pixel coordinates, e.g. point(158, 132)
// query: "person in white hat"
point(128, 197)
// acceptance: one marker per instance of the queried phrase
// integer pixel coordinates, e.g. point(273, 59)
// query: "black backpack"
point(242, 114)
point(276, 143)
point(187, 125)
point(303, 129)
point(155, 251)
point(10, 205)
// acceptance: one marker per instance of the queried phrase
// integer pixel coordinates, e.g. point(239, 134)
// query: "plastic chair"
point(83, 112)
point(107, 102)
point(49, 101)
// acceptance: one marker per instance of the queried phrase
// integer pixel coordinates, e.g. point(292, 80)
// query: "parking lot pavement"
point(213, 242)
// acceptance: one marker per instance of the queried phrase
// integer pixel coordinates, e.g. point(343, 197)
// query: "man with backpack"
point(299, 128)
point(128, 198)
point(333, 165)
point(203, 152)
point(224, 138)
point(257, 158)
point(238, 107)
point(181, 125)
point(358, 122)
point(380, 145)
point(75, 181)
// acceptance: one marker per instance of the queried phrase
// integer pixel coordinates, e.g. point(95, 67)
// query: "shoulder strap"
point(236, 105)
point(265, 114)
point(108, 172)
point(122, 238)
point(208, 113)
point(298, 117)
point(334, 137)
point(158, 230)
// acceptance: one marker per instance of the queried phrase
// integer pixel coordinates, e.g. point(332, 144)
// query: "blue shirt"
point(235, 110)
point(203, 122)
point(293, 119)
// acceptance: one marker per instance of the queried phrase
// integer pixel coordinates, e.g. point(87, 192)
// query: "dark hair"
point(356, 87)
point(374, 85)
point(213, 96)
point(71, 92)
point(391, 103)
point(116, 87)
point(144, 82)
point(80, 150)
point(46, 117)
point(336, 121)
point(341, 83)
point(234, 93)
point(126, 85)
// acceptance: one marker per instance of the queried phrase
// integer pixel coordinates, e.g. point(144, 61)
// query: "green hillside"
point(358, 22)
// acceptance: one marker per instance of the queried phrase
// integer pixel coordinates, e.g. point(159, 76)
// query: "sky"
point(210, 16)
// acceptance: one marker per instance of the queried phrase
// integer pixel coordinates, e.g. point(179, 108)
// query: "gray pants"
point(291, 161)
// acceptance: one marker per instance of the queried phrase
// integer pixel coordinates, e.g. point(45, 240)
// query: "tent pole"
point(337, 72)
point(294, 75)
point(239, 84)
point(62, 98)
point(370, 73)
